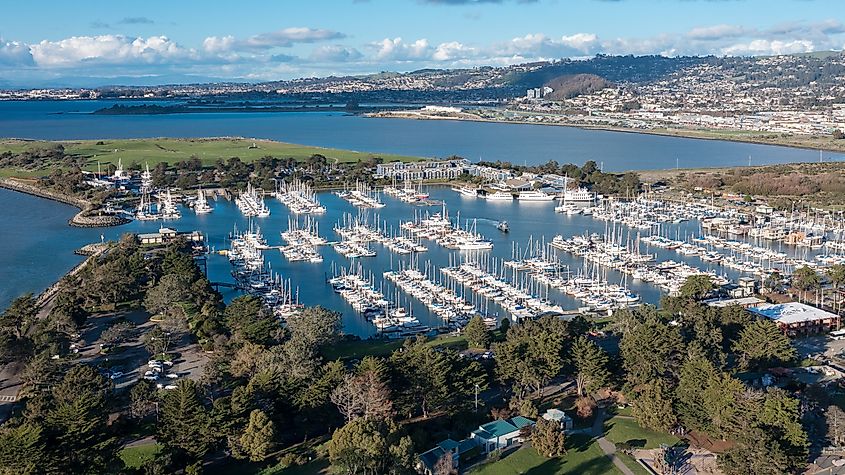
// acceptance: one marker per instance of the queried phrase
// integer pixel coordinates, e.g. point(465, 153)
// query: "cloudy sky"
point(94, 42)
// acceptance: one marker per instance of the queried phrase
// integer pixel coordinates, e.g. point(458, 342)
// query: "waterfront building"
point(168, 234)
point(795, 318)
point(427, 170)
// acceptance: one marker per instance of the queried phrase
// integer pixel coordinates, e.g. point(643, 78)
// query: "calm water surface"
point(41, 245)
point(519, 144)
point(38, 244)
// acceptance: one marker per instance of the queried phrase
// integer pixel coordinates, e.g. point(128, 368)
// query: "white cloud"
point(397, 50)
point(13, 53)
point(334, 53)
point(283, 38)
point(769, 47)
point(717, 32)
point(111, 49)
point(453, 51)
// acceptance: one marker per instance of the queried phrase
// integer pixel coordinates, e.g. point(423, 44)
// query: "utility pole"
point(476, 397)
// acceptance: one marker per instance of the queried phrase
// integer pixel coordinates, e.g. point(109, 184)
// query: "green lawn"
point(583, 457)
point(134, 457)
point(622, 430)
point(172, 150)
point(358, 349)
point(631, 463)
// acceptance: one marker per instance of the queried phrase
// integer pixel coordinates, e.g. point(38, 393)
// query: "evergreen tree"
point(532, 354)
point(591, 366)
point(762, 345)
point(183, 425)
point(651, 350)
point(77, 424)
point(696, 287)
point(697, 374)
point(375, 446)
point(23, 450)
point(652, 407)
point(548, 439)
point(257, 439)
point(476, 333)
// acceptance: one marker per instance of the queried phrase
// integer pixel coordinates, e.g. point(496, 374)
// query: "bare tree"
point(364, 395)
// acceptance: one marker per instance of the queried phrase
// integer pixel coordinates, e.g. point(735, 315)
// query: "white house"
point(501, 433)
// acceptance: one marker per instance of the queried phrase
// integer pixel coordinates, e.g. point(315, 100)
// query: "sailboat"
point(201, 206)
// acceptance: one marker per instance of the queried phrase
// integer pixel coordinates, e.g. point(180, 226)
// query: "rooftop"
point(791, 312)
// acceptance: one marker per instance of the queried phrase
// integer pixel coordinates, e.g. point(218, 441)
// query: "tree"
point(117, 333)
point(257, 439)
point(591, 366)
point(835, 418)
point(248, 318)
point(171, 290)
point(77, 424)
point(761, 345)
point(584, 406)
point(22, 450)
point(183, 421)
point(445, 465)
point(17, 318)
point(363, 395)
point(805, 279)
point(157, 341)
point(697, 374)
point(651, 350)
point(370, 446)
point(476, 333)
point(532, 353)
point(696, 287)
point(142, 399)
point(316, 325)
point(548, 439)
point(836, 274)
point(652, 407)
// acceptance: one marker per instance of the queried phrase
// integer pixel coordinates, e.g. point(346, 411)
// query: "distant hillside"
point(573, 85)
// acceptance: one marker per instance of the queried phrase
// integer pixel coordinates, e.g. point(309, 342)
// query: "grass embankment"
point(172, 150)
point(136, 456)
point(583, 456)
point(622, 430)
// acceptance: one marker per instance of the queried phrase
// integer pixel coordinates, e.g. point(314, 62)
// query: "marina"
point(616, 254)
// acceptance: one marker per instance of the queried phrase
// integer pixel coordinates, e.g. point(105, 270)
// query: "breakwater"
point(89, 216)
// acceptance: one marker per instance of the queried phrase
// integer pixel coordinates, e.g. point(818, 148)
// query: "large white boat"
point(466, 191)
point(167, 207)
point(201, 206)
point(534, 195)
point(579, 195)
point(499, 196)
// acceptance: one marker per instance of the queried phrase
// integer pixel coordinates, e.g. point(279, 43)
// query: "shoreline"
point(79, 220)
point(693, 134)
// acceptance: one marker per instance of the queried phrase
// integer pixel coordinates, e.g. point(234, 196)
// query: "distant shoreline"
point(711, 135)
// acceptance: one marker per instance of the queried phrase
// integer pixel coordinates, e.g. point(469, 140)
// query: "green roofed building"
point(501, 433)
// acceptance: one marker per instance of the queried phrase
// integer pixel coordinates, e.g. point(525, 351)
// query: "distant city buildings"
point(538, 92)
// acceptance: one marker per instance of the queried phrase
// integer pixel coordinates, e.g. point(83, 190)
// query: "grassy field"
point(135, 456)
point(631, 463)
point(358, 349)
point(621, 430)
point(583, 457)
point(170, 150)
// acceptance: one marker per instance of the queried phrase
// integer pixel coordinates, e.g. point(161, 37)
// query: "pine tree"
point(652, 407)
point(591, 366)
point(476, 333)
point(761, 345)
point(257, 439)
point(548, 439)
point(183, 421)
point(697, 374)
point(23, 451)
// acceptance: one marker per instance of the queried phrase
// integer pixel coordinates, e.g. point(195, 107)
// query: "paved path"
point(608, 447)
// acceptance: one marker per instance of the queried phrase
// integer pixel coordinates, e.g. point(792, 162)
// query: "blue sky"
point(101, 42)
